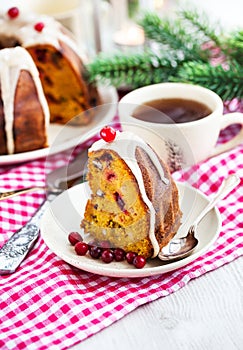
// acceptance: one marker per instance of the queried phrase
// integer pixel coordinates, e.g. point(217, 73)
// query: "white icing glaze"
point(12, 61)
point(125, 145)
point(22, 28)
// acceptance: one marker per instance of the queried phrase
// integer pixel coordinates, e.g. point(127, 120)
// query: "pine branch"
point(202, 26)
point(227, 83)
point(174, 35)
point(185, 48)
point(133, 70)
point(233, 46)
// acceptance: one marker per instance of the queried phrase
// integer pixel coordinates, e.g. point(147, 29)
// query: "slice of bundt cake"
point(134, 200)
point(24, 113)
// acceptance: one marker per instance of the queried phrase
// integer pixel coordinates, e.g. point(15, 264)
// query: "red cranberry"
point(92, 243)
point(13, 12)
point(139, 261)
point(111, 176)
point(107, 256)
point(119, 254)
point(39, 26)
point(130, 257)
point(108, 134)
point(81, 248)
point(104, 244)
point(74, 237)
point(95, 252)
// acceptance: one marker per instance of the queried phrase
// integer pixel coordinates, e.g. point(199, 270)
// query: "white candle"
point(97, 24)
point(120, 12)
point(131, 35)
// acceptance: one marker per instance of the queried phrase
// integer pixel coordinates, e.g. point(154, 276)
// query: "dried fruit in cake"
point(134, 202)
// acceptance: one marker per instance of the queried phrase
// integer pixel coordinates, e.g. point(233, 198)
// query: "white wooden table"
point(206, 314)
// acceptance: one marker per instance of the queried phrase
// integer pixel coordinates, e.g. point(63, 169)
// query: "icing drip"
point(12, 61)
point(125, 145)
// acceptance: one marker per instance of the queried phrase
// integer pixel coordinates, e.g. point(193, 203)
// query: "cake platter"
point(63, 137)
point(55, 228)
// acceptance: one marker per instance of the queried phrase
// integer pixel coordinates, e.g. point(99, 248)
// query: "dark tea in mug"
point(171, 110)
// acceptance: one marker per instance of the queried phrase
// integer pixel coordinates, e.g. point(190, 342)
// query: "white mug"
point(187, 143)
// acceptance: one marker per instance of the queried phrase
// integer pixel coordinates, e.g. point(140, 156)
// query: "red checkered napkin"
point(48, 304)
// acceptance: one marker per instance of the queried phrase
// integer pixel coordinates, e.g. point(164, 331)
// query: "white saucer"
point(65, 213)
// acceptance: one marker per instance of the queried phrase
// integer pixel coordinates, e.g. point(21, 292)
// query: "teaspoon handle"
point(9, 194)
point(13, 193)
point(226, 187)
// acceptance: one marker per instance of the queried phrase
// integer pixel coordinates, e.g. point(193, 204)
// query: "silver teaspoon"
point(181, 247)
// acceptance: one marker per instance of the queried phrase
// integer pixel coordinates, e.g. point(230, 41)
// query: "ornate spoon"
point(179, 248)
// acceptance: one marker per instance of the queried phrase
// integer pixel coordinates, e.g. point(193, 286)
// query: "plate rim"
point(103, 269)
point(8, 159)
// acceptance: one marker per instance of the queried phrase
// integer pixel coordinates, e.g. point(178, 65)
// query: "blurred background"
point(101, 25)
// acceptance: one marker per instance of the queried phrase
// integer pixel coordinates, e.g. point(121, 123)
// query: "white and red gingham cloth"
point(48, 304)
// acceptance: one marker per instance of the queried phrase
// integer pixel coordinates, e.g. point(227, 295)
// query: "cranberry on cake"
point(134, 203)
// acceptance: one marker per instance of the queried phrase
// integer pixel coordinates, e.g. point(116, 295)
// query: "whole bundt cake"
point(134, 203)
point(61, 70)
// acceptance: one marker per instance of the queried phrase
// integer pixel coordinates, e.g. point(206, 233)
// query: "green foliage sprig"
point(226, 82)
point(188, 49)
point(173, 35)
point(132, 70)
point(233, 47)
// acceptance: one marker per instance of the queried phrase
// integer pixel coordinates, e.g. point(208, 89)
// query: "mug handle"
point(227, 120)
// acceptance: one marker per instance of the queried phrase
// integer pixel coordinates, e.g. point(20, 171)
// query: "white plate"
point(63, 137)
point(65, 213)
